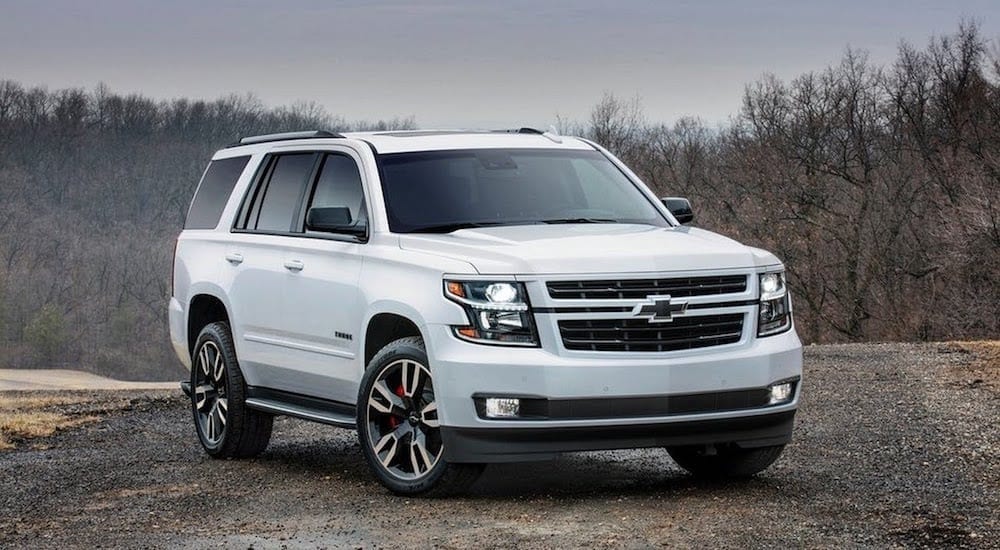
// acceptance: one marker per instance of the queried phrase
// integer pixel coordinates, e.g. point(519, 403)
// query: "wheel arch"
point(204, 309)
point(387, 325)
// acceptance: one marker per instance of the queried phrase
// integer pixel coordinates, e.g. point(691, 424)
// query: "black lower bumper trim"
point(540, 408)
point(481, 445)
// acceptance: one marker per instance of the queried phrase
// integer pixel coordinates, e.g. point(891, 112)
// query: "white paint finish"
point(583, 249)
point(284, 321)
point(319, 300)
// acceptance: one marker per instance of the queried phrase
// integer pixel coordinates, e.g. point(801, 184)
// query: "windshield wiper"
point(579, 220)
point(449, 227)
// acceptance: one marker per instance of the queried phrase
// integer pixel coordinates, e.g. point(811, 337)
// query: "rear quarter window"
point(213, 192)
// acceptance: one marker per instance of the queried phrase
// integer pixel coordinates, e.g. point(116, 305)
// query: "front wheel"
point(398, 424)
point(727, 461)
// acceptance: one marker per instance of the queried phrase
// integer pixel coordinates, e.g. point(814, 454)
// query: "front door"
point(323, 308)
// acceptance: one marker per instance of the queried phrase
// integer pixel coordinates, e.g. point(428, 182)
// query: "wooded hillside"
point(878, 186)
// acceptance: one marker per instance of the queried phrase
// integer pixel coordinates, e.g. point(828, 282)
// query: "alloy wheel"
point(403, 427)
point(210, 402)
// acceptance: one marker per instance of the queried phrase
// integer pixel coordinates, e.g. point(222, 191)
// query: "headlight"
point(498, 312)
point(775, 313)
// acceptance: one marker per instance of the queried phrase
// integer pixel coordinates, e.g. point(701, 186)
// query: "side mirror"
point(334, 219)
point(680, 208)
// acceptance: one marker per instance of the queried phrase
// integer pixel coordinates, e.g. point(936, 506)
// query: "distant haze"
point(460, 63)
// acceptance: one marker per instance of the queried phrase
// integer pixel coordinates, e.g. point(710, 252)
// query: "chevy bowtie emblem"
point(659, 309)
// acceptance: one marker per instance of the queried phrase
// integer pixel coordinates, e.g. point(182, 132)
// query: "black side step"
point(186, 387)
point(306, 407)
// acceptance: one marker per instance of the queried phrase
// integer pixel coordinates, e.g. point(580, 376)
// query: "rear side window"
point(213, 192)
point(279, 208)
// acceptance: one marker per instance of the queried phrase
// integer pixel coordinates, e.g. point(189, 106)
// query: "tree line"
point(879, 186)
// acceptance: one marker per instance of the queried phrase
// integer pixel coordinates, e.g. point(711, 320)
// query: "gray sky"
point(459, 63)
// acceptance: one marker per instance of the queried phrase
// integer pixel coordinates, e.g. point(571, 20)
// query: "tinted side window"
point(283, 194)
point(339, 184)
point(213, 192)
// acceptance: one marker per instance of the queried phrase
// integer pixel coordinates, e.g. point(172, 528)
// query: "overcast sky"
point(457, 63)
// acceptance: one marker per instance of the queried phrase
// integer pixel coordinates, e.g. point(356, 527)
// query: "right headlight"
point(775, 310)
point(498, 312)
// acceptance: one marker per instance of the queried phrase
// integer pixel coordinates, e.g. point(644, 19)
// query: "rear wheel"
point(398, 424)
point(225, 426)
point(725, 461)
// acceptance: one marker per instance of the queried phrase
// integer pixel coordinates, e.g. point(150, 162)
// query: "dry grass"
point(20, 403)
point(28, 417)
point(984, 368)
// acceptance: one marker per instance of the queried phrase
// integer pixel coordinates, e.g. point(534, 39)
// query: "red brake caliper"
point(393, 421)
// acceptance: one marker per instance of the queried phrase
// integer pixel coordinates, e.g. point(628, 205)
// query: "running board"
point(186, 388)
point(305, 413)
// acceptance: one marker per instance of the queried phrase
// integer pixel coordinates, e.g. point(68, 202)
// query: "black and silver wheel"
point(225, 426)
point(398, 424)
point(209, 387)
point(725, 461)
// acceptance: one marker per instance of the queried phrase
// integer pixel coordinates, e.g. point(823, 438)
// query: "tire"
point(728, 462)
point(398, 426)
point(226, 427)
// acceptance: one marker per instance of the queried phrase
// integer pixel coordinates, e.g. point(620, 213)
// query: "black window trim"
point(249, 202)
point(298, 221)
point(259, 185)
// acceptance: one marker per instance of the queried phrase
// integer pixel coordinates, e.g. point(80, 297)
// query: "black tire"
point(728, 462)
point(244, 432)
point(441, 478)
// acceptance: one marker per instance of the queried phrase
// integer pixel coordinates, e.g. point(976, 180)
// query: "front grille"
point(640, 288)
point(682, 333)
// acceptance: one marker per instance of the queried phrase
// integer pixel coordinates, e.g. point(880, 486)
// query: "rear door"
point(256, 271)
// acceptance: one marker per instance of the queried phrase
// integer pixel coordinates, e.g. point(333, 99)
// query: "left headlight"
point(775, 309)
point(498, 312)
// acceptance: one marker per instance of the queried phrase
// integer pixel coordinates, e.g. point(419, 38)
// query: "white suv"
point(464, 298)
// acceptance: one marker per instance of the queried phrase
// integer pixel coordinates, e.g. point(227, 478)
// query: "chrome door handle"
point(294, 265)
point(234, 258)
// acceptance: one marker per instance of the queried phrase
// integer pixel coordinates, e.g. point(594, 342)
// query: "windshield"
point(442, 191)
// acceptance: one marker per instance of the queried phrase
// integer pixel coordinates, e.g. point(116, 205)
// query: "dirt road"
point(61, 379)
point(895, 445)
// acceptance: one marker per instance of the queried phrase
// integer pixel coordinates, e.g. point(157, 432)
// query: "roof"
point(439, 140)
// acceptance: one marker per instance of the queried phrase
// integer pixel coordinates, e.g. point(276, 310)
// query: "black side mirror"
point(680, 208)
point(334, 219)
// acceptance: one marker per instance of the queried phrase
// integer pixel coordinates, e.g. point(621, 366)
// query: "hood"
point(588, 248)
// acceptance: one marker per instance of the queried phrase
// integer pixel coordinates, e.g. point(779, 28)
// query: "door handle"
point(234, 258)
point(294, 265)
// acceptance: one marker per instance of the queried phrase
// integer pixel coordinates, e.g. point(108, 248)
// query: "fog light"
point(780, 393)
point(502, 407)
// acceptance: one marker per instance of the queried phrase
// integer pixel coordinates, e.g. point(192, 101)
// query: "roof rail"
point(286, 136)
point(551, 134)
point(524, 130)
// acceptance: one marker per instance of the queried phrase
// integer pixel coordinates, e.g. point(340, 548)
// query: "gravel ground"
point(894, 446)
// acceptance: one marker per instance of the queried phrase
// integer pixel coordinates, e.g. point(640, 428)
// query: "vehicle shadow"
point(600, 474)
point(577, 475)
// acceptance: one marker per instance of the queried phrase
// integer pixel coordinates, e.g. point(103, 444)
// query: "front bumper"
point(465, 371)
point(480, 445)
